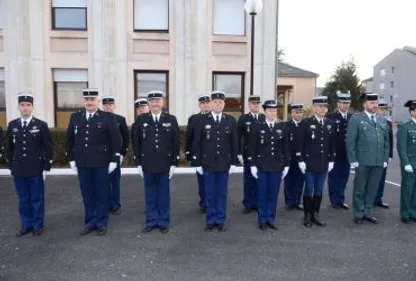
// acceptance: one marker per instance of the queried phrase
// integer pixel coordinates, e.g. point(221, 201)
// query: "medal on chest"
point(208, 128)
point(144, 130)
point(76, 130)
point(291, 137)
point(248, 127)
point(262, 137)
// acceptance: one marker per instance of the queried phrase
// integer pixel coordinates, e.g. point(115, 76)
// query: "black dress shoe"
point(148, 229)
point(344, 206)
point(371, 219)
point(24, 232)
point(299, 207)
point(164, 230)
point(317, 220)
point(116, 212)
point(37, 232)
point(262, 227)
point(271, 226)
point(405, 220)
point(382, 205)
point(102, 231)
point(221, 227)
point(86, 231)
point(247, 210)
point(413, 219)
point(209, 228)
point(358, 220)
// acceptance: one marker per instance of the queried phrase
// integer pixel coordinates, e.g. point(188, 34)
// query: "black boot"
point(316, 205)
point(307, 210)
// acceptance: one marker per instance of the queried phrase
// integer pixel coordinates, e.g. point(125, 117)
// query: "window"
point(149, 80)
point(232, 83)
point(382, 72)
point(3, 119)
point(68, 85)
point(151, 15)
point(392, 70)
point(391, 84)
point(69, 14)
point(228, 17)
point(382, 86)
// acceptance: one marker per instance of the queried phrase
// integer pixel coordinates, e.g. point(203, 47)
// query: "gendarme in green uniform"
point(406, 147)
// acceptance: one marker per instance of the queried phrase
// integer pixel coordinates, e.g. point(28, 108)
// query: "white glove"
point(140, 170)
point(232, 167)
point(121, 159)
point(44, 175)
point(240, 158)
point(354, 165)
point(199, 170)
point(73, 166)
point(111, 167)
point(285, 171)
point(302, 167)
point(385, 165)
point(171, 171)
point(254, 172)
point(408, 168)
point(330, 166)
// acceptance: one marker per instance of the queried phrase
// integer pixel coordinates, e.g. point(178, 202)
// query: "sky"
point(317, 35)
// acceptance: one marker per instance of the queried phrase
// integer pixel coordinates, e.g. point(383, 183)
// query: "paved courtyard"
point(340, 251)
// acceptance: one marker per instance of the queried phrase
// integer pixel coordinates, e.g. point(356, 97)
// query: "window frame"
point(381, 86)
point(242, 74)
point(149, 71)
point(53, 18)
point(382, 72)
point(220, 34)
point(4, 108)
point(150, 30)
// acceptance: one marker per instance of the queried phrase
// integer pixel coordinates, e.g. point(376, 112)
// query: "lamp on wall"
point(253, 8)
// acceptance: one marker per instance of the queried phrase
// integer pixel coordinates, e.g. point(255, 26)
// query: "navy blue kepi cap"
point(410, 103)
point(270, 104)
point(108, 100)
point(320, 100)
point(25, 97)
point(217, 95)
point(140, 102)
point(369, 96)
point(344, 97)
point(155, 95)
point(204, 98)
point(90, 93)
point(295, 106)
point(254, 99)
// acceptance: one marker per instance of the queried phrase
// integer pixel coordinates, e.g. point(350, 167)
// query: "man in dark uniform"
point(338, 177)
point(156, 153)
point(29, 155)
point(142, 106)
point(245, 126)
point(93, 150)
point(114, 191)
point(205, 107)
point(215, 156)
point(383, 111)
point(269, 158)
point(2, 143)
point(316, 156)
point(295, 179)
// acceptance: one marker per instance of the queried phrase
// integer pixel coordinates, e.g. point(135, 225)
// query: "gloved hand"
point(44, 175)
point(111, 167)
point(121, 159)
point(285, 171)
point(240, 159)
point(232, 168)
point(73, 166)
point(330, 166)
point(385, 165)
point(199, 170)
point(408, 168)
point(302, 167)
point(171, 171)
point(254, 171)
point(140, 170)
point(354, 165)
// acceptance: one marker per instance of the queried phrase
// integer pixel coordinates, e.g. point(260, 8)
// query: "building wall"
point(368, 86)
point(399, 81)
point(111, 51)
point(303, 88)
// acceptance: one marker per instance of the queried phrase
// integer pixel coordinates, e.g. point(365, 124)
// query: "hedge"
point(60, 160)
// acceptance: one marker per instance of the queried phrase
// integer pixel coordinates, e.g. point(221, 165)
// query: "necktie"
point(372, 119)
point(345, 116)
point(218, 119)
point(271, 126)
point(24, 124)
point(255, 117)
point(156, 119)
point(89, 116)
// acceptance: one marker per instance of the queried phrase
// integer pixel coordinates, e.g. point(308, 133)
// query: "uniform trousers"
point(216, 192)
point(268, 185)
point(157, 199)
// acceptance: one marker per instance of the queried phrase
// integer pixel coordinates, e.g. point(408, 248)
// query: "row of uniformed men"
point(213, 146)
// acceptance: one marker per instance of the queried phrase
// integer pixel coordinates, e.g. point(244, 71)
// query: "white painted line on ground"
point(386, 181)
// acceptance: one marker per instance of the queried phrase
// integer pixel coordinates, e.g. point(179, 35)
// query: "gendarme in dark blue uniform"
point(269, 158)
point(2, 144)
point(114, 191)
point(215, 155)
point(93, 150)
point(316, 155)
point(29, 154)
point(245, 126)
point(155, 142)
point(204, 106)
point(295, 179)
point(338, 177)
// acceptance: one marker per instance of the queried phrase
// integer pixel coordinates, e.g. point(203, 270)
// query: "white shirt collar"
point(319, 120)
point(156, 115)
point(414, 120)
point(91, 114)
point(216, 114)
point(343, 113)
point(370, 114)
point(27, 120)
point(270, 122)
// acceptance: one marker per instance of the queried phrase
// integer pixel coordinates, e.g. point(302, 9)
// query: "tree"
point(345, 78)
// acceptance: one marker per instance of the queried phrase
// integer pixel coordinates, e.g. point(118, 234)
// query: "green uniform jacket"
point(367, 143)
point(406, 143)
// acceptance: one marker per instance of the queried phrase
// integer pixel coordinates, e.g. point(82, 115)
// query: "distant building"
point(368, 84)
point(394, 79)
